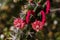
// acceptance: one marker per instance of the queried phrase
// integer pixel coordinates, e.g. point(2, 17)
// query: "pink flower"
point(19, 23)
point(47, 6)
point(28, 15)
point(38, 25)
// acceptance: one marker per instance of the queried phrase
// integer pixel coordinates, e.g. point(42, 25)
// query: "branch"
point(53, 10)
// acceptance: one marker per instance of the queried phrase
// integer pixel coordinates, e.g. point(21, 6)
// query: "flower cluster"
point(37, 24)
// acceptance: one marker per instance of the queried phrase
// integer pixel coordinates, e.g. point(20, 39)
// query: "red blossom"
point(19, 23)
point(47, 6)
point(43, 17)
point(38, 25)
point(28, 15)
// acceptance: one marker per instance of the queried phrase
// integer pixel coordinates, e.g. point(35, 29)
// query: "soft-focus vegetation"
point(9, 9)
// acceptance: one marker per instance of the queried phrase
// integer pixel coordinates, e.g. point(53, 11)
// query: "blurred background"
point(12, 8)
